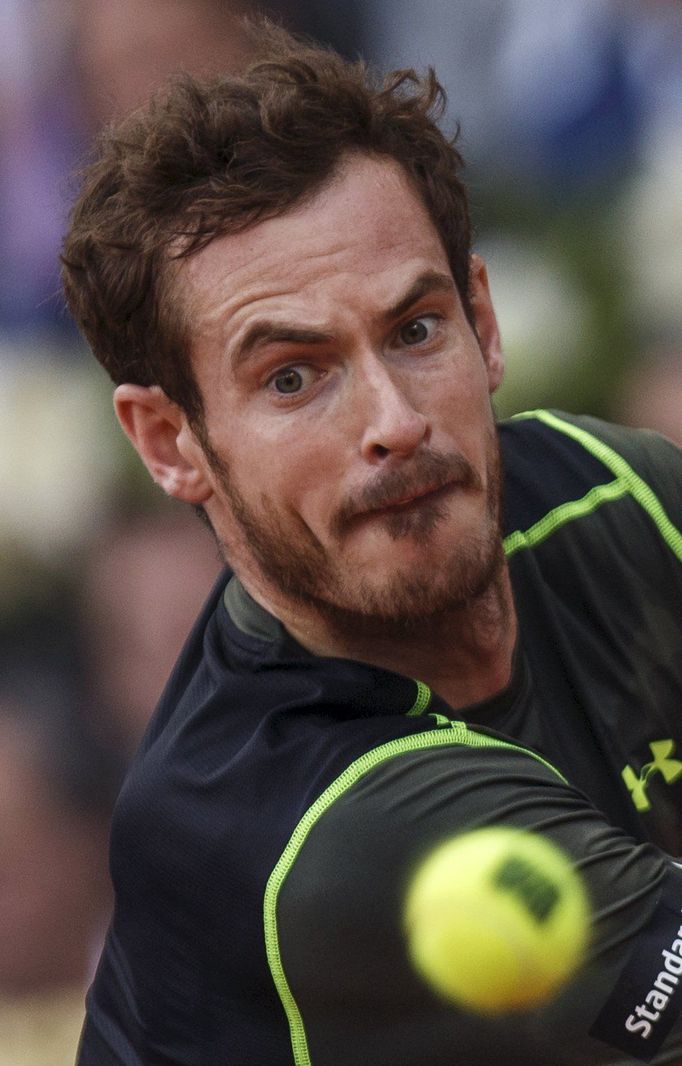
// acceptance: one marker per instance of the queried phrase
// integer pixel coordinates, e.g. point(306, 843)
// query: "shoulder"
point(334, 907)
point(562, 467)
point(599, 447)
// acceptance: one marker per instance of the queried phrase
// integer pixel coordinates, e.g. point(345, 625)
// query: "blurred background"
point(571, 122)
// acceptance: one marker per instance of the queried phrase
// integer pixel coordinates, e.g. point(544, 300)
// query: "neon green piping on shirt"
point(629, 482)
point(565, 512)
point(422, 701)
point(457, 734)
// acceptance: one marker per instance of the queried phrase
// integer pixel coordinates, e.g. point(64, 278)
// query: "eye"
point(418, 330)
point(289, 380)
point(292, 379)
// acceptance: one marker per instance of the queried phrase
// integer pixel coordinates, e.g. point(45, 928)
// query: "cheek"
point(461, 400)
point(311, 488)
point(304, 443)
point(292, 469)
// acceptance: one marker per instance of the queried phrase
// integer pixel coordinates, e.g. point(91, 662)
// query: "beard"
point(305, 572)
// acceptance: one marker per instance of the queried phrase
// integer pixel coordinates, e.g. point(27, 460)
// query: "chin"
point(410, 595)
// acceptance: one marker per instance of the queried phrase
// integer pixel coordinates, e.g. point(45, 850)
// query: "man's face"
point(352, 454)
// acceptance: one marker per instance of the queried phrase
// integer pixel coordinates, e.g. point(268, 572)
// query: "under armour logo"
point(670, 769)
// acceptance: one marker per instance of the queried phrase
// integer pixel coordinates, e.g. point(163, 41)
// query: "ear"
point(159, 432)
point(486, 322)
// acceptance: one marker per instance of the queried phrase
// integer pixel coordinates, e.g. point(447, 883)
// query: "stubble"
point(303, 571)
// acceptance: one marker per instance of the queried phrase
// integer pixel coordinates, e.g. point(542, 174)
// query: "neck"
point(464, 653)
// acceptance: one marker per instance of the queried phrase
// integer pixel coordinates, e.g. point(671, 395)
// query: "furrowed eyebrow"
point(267, 332)
point(262, 333)
point(429, 282)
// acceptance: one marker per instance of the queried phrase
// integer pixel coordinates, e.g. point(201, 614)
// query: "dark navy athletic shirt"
point(263, 840)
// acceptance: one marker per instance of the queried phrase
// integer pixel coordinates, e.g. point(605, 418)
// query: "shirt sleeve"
point(349, 990)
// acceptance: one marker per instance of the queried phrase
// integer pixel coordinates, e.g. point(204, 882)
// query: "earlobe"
point(155, 426)
point(487, 329)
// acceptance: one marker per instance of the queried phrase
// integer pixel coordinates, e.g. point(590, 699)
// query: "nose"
point(393, 425)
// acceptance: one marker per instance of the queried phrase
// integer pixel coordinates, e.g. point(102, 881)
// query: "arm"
point(346, 983)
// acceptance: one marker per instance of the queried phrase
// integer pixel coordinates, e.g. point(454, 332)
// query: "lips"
point(416, 496)
point(426, 480)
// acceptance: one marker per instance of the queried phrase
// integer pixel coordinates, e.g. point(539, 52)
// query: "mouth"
point(415, 499)
point(413, 495)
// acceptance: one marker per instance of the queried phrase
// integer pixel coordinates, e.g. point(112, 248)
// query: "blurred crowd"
point(571, 122)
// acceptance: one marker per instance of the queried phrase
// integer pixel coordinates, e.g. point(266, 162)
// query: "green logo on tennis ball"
point(537, 893)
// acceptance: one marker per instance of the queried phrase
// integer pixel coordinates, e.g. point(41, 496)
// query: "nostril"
point(380, 451)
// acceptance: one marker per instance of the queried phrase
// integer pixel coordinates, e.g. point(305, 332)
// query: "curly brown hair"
point(205, 159)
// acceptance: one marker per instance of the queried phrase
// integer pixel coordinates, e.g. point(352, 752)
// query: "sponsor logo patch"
point(647, 998)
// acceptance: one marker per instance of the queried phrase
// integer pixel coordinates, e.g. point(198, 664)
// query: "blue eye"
point(417, 331)
point(288, 381)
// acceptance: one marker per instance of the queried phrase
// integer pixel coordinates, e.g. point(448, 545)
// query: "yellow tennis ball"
point(497, 920)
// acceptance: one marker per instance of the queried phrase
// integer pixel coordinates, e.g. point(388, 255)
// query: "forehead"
point(366, 230)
